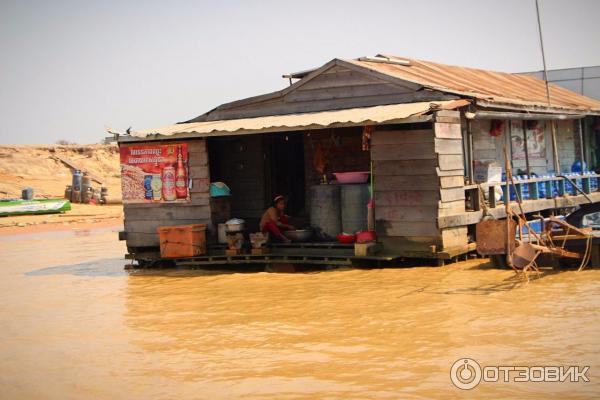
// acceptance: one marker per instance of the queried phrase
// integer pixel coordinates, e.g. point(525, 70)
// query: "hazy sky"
point(68, 68)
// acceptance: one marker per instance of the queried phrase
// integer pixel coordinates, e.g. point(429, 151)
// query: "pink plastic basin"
point(352, 177)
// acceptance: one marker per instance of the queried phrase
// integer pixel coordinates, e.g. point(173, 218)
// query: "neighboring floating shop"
point(431, 135)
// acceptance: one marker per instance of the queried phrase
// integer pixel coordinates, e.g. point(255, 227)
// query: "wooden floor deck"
point(329, 253)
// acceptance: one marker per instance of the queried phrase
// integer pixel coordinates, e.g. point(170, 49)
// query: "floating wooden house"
point(433, 133)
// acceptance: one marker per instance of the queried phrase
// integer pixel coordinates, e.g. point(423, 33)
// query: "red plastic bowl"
point(352, 177)
point(366, 236)
point(346, 239)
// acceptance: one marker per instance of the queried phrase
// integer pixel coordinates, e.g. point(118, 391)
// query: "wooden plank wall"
point(405, 188)
point(419, 176)
point(141, 220)
point(449, 151)
point(336, 88)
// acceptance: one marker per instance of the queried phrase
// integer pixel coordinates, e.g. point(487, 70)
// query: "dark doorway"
point(239, 161)
point(287, 169)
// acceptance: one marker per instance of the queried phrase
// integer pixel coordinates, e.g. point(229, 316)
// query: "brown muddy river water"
point(75, 325)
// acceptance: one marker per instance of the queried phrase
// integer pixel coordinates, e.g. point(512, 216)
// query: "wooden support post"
point(555, 148)
point(527, 166)
point(561, 187)
point(549, 189)
point(595, 257)
point(506, 192)
point(475, 199)
point(585, 182)
point(492, 196)
point(508, 142)
point(366, 249)
point(534, 191)
point(469, 158)
point(519, 191)
point(581, 150)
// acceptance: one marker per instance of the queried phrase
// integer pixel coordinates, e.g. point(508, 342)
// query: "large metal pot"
point(298, 235)
point(235, 225)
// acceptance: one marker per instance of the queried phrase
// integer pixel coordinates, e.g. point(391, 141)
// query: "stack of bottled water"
point(569, 188)
point(593, 181)
point(542, 187)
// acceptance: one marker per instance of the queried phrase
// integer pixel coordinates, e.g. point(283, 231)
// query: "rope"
point(587, 255)
point(166, 242)
point(486, 210)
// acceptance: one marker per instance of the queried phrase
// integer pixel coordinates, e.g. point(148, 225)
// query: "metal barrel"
point(87, 195)
point(86, 184)
point(76, 183)
point(86, 180)
point(325, 209)
point(75, 196)
point(27, 194)
point(354, 199)
point(68, 192)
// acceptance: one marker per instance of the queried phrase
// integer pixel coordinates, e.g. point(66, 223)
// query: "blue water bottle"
point(578, 166)
point(554, 185)
point(524, 187)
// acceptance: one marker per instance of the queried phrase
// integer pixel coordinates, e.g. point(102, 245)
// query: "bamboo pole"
point(525, 147)
point(553, 127)
point(521, 216)
point(508, 211)
point(508, 140)
point(555, 148)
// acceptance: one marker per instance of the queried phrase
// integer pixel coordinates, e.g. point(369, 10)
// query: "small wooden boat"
point(36, 206)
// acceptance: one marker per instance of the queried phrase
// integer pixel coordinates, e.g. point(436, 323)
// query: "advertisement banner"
point(154, 173)
point(536, 140)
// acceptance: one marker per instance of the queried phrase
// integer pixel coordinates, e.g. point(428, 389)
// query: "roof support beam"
point(521, 116)
point(195, 135)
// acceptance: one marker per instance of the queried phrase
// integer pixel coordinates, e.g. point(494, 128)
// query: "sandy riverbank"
point(81, 216)
point(40, 167)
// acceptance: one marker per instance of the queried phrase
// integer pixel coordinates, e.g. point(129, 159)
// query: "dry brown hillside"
point(36, 166)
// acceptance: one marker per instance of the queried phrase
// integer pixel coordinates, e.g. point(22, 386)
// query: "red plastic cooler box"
point(182, 240)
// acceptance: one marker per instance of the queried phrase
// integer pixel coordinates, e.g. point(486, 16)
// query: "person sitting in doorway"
point(274, 219)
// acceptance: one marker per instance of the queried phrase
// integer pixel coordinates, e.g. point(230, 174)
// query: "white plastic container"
point(222, 233)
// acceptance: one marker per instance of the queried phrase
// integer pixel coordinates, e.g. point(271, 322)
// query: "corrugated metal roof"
point(316, 120)
point(491, 88)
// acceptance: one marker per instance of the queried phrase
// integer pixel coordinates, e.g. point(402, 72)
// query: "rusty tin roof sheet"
point(490, 88)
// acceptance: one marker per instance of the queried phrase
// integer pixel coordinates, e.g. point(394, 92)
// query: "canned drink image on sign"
point(156, 187)
point(168, 183)
point(148, 187)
